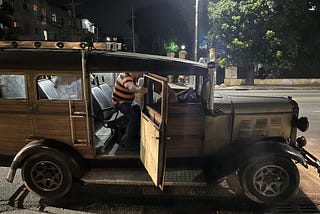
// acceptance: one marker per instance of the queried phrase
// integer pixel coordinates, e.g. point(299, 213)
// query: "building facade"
point(46, 20)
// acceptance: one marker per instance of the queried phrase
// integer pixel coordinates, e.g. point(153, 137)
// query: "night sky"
point(151, 17)
point(113, 16)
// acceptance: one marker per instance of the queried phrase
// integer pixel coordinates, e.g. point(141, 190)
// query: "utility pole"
point(132, 28)
point(74, 30)
point(196, 31)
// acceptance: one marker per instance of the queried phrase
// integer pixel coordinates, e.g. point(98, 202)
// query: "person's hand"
point(143, 90)
point(140, 82)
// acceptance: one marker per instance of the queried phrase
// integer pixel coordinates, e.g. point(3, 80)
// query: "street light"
point(196, 31)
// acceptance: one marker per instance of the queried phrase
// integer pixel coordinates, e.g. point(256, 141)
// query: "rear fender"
point(75, 161)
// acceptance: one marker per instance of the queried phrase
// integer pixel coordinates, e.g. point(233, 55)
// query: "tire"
point(47, 175)
point(270, 180)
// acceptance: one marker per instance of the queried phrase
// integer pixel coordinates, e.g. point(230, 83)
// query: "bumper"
point(309, 158)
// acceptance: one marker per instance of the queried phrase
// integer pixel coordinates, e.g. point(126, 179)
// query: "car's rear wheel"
point(270, 180)
point(47, 175)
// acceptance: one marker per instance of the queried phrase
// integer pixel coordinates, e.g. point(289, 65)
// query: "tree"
point(300, 32)
point(243, 32)
point(274, 34)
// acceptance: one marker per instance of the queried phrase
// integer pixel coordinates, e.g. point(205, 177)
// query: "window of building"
point(45, 34)
point(12, 87)
point(54, 17)
point(59, 88)
point(43, 20)
point(69, 13)
point(35, 7)
point(15, 24)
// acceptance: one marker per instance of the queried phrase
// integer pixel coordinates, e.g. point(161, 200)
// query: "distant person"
point(123, 97)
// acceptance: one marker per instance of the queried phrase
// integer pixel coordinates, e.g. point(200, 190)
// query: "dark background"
point(155, 21)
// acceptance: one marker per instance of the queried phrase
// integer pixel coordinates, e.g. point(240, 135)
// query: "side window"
point(104, 78)
point(155, 95)
point(59, 88)
point(12, 87)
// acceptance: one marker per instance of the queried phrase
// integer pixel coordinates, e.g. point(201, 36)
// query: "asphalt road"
point(220, 198)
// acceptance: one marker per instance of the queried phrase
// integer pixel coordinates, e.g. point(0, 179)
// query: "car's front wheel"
point(270, 180)
point(47, 175)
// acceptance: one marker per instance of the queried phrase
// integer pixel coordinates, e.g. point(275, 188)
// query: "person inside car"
point(123, 97)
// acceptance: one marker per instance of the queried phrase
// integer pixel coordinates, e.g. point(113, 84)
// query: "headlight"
point(301, 141)
point(302, 124)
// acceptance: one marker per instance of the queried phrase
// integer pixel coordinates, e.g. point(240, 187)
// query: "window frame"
point(25, 88)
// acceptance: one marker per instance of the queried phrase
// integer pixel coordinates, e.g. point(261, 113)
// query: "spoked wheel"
point(270, 180)
point(47, 175)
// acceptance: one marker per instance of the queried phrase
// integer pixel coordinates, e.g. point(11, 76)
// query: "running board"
point(139, 176)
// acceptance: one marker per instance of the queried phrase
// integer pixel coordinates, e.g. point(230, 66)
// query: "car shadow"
point(18, 197)
point(217, 198)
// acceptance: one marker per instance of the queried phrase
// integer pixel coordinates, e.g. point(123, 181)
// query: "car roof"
point(97, 61)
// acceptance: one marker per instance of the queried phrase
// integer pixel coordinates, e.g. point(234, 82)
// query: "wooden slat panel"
point(51, 107)
point(58, 106)
point(14, 107)
point(187, 124)
point(185, 129)
point(14, 132)
point(149, 151)
point(154, 116)
point(85, 151)
point(80, 130)
point(56, 127)
point(184, 146)
point(187, 108)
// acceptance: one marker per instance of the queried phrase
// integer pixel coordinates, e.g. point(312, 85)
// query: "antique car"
point(59, 125)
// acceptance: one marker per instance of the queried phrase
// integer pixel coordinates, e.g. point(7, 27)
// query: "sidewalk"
point(267, 87)
point(48, 209)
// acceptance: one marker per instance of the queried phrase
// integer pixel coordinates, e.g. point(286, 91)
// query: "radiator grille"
point(260, 127)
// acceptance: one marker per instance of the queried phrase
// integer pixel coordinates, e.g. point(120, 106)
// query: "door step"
point(139, 176)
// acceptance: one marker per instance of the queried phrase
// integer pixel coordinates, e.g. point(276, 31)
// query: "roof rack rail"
point(107, 46)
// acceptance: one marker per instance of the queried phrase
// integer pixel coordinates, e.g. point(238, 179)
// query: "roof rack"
point(107, 46)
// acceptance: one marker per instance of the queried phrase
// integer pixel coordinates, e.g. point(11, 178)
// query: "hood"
point(254, 104)
point(259, 104)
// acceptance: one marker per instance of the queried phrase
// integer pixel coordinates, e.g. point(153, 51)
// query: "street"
point(220, 198)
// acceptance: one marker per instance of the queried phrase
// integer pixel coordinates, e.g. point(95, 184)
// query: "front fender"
point(278, 147)
point(74, 159)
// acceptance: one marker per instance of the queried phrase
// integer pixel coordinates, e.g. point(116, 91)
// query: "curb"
point(267, 87)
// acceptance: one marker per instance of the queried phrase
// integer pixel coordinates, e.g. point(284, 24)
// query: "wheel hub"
point(46, 175)
point(271, 180)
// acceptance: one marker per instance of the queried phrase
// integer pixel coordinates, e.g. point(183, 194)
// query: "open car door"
point(153, 127)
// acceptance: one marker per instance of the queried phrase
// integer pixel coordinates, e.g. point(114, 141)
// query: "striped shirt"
point(121, 92)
